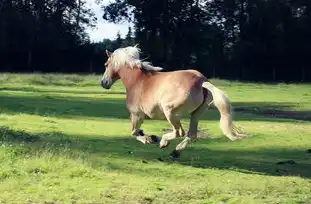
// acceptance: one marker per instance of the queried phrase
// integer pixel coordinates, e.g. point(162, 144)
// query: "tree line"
point(258, 40)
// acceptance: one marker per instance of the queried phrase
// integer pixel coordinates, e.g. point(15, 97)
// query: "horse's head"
point(123, 58)
point(111, 74)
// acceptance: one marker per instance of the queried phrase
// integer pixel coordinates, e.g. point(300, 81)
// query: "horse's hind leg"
point(193, 129)
point(178, 131)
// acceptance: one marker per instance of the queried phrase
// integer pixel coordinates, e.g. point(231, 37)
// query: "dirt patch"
point(286, 162)
point(291, 114)
point(305, 115)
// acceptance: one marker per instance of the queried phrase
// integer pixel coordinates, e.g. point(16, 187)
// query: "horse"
point(171, 95)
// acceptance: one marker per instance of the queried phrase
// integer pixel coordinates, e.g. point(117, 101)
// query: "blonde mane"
point(129, 56)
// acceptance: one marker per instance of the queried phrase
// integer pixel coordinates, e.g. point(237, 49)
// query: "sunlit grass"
point(64, 139)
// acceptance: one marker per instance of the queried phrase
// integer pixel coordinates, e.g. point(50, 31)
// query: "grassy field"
point(64, 139)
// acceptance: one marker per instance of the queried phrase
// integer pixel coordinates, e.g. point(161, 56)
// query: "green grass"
point(64, 139)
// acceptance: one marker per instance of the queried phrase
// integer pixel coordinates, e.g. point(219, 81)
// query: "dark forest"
point(250, 40)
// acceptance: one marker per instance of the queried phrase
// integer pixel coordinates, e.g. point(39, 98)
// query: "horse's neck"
point(131, 78)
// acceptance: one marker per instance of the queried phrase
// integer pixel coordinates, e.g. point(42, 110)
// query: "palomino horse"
point(165, 95)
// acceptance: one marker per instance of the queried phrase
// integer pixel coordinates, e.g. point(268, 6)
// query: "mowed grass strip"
point(64, 139)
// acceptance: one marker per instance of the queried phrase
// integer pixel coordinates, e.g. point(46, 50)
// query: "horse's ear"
point(108, 53)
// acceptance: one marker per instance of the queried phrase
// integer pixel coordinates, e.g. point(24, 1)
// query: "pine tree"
point(129, 41)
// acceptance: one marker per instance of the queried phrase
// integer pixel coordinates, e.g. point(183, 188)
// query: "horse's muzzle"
point(105, 85)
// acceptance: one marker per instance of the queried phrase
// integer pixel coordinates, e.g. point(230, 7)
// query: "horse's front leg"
point(137, 121)
point(178, 131)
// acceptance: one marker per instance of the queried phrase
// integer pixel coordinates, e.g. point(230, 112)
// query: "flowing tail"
point(223, 104)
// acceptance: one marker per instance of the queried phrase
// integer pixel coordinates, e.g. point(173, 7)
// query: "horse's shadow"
point(275, 161)
point(107, 107)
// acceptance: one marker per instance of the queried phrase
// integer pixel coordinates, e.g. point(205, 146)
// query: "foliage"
point(258, 40)
point(34, 32)
point(242, 39)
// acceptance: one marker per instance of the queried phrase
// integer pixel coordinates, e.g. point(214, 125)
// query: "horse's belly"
point(155, 113)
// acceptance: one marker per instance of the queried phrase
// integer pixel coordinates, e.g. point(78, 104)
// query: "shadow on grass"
point(77, 91)
point(116, 108)
point(296, 162)
point(273, 110)
point(64, 107)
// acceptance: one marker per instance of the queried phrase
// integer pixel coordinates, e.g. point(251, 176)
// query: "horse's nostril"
point(103, 83)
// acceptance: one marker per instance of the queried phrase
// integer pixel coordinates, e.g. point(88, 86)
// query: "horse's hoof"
point(141, 133)
point(155, 139)
point(175, 154)
point(166, 143)
point(143, 139)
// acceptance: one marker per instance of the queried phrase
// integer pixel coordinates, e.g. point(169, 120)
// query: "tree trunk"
point(214, 71)
point(241, 20)
point(242, 72)
point(274, 74)
point(302, 74)
point(29, 61)
point(91, 66)
point(165, 36)
point(78, 16)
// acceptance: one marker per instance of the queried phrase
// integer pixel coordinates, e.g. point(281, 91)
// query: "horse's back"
point(181, 79)
point(185, 73)
point(180, 91)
